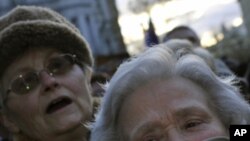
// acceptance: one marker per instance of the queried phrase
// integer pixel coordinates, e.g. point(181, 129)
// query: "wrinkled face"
point(58, 104)
point(168, 111)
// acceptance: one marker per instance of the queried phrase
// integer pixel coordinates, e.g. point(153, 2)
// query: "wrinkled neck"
point(78, 134)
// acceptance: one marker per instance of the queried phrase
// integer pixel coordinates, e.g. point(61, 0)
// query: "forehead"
point(159, 98)
point(31, 58)
point(37, 53)
point(178, 88)
point(32, 55)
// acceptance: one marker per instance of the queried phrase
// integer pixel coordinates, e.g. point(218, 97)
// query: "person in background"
point(183, 32)
point(165, 94)
point(97, 81)
point(46, 67)
point(219, 66)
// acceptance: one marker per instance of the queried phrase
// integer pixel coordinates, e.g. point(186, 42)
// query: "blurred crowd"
point(227, 58)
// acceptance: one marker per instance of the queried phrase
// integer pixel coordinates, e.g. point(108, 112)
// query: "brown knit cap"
point(27, 27)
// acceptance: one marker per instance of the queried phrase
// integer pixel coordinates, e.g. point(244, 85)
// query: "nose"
point(48, 82)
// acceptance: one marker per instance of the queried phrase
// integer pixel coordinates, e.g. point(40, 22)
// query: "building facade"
point(96, 19)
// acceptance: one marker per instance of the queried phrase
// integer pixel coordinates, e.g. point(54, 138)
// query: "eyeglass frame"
point(74, 61)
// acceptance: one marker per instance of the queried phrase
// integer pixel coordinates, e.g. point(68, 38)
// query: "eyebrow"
point(191, 110)
point(147, 127)
point(151, 126)
point(29, 68)
point(23, 69)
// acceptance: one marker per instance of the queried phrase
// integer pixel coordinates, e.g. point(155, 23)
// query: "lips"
point(58, 104)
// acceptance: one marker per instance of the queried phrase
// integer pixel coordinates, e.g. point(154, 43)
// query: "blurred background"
point(118, 29)
point(206, 17)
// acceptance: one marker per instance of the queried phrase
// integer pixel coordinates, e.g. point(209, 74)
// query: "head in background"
point(46, 66)
point(183, 32)
point(168, 94)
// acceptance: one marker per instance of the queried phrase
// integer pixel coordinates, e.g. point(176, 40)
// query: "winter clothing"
point(27, 27)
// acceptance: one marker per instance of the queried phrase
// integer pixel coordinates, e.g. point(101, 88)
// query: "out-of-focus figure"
point(183, 32)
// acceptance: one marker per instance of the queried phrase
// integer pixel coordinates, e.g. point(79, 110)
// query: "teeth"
point(57, 104)
point(57, 100)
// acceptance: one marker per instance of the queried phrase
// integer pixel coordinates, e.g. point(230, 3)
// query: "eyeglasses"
point(57, 66)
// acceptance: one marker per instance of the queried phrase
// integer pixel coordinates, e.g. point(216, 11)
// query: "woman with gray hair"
point(161, 95)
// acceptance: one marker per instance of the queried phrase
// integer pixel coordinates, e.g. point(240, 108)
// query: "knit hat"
point(27, 27)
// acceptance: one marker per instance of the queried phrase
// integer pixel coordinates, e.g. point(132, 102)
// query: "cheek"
point(79, 86)
point(23, 106)
point(76, 82)
point(25, 113)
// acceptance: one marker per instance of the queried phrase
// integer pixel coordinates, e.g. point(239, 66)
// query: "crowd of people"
point(172, 91)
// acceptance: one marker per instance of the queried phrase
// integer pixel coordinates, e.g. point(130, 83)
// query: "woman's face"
point(59, 104)
point(168, 111)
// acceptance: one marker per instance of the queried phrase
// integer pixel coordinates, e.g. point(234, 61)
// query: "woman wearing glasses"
point(45, 76)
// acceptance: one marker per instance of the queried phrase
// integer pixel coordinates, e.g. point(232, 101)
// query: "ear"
point(10, 125)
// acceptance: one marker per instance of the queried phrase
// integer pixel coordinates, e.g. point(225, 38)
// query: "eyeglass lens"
point(57, 66)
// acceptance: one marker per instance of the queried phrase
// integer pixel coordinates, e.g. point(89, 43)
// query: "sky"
point(205, 16)
point(121, 5)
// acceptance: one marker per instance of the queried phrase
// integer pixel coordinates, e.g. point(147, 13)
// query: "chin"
point(69, 122)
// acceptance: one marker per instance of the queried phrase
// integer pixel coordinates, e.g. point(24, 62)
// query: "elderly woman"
point(163, 95)
point(45, 75)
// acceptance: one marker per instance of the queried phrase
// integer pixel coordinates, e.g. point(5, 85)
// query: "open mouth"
point(58, 104)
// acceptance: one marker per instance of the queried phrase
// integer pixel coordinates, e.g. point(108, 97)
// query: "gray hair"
point(162, 62)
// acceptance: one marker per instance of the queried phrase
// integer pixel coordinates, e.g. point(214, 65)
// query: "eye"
point(151, 139)
point(19, 85)
point(25, 83)
point(59, 65)
point(192, 124)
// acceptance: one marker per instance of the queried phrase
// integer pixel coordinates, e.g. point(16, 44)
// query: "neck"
point(79, 133)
